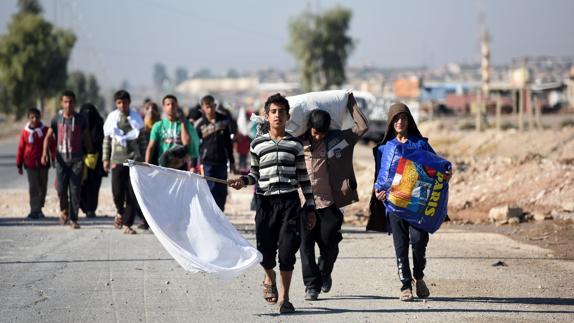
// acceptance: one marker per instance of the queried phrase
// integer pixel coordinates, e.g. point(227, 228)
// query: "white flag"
point(183, 215)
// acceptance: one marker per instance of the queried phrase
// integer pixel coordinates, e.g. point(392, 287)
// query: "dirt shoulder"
point(556, 236)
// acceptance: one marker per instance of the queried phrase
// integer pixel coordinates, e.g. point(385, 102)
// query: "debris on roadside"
point(499, 263)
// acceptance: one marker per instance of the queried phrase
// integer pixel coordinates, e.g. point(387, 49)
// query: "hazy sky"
point(121, 40)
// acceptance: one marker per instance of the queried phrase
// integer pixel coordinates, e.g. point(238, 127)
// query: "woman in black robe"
point(92, 178)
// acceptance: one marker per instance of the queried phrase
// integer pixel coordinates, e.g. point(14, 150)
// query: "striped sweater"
point(279, 168)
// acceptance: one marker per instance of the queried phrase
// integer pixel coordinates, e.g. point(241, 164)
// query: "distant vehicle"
point(376, 112)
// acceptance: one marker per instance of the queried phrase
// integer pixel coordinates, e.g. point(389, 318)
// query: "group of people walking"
point(84, 148)
point(320, 163)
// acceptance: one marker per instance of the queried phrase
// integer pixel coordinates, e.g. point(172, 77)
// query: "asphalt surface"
point(51, 273)
point(9, 177)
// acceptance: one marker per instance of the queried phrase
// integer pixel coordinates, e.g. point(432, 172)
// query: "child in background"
point(242, 148)
point(29, 156)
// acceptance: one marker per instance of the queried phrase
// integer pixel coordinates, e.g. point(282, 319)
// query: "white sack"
point(242, 124)
point(184, 217)
point(334, 102)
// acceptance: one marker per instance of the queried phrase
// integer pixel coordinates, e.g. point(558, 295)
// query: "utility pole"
point(498, 112)
point(537, 112)
point(529, 109)
point(519, 106)
point(485, 69)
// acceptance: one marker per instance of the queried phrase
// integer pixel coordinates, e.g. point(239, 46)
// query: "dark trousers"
point(218, 190)
point(242, 161)
point(123, 193)
point(277, 225)
point(91, 191)
point(69, 177)
point(403, 234)
point(327, 235)
point(37, 187)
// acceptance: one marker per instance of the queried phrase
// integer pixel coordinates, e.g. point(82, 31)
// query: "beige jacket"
point(340, 146)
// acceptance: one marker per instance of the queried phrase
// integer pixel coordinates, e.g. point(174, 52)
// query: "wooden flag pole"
point(130, 162)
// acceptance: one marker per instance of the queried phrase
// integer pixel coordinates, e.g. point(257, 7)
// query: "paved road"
point(50, 273)
point(9, 178)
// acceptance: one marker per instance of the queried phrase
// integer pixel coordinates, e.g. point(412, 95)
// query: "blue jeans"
point(218, 190)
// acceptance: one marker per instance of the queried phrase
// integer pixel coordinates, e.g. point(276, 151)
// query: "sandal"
point(129, 230)
point(64, 218)
point(286, 307)
point(406, 295)
point(118, 222)
point(270, 293)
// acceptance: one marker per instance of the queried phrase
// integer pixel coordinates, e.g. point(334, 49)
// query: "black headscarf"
point(92, 116)
point(95, 125)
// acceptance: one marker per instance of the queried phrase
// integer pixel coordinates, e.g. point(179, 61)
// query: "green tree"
point(4, 100)
point(30, 6)
point(232, 73)
point(33, 58)
point(160, 77)
point(94, 96)
point(302, 40)
point(125, 85)
point(203, 73)
point(86, 89)
point(181, 75)
point(321, 46)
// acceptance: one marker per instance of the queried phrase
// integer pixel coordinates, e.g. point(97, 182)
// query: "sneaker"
point(406, 295)
point(64, 217)
point(74, 224)
point(33, 215)
point(422, 289)
point(327, 283)
point(311, 294)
